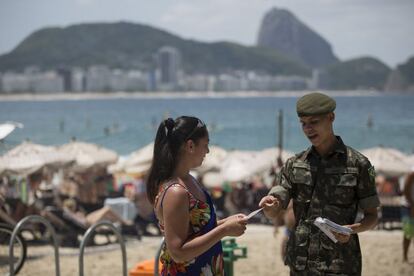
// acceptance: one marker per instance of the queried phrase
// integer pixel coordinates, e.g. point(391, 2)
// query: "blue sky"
point(379, 28)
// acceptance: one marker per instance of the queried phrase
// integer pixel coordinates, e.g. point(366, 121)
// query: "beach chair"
point(69, 228)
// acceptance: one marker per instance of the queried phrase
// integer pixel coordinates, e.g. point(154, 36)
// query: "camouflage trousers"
point(312, 271)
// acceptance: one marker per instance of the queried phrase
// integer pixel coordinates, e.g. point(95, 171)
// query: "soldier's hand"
point(270, 205)
point(342, 238)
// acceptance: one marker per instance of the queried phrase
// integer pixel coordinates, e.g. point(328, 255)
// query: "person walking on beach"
point(329, 180)
point(407, 209)
point(183, 208)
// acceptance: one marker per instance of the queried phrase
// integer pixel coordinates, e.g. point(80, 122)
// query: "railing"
point(87, 236)
point(157, 258)
point(19, 226)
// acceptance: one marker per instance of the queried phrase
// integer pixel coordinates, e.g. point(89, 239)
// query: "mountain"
point(402, 78)
point(282, 31)
point(358, 73)
point(133, 46)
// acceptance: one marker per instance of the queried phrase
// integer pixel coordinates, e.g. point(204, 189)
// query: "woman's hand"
point(235, 225)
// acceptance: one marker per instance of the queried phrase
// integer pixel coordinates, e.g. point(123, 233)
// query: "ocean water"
point(248, 123)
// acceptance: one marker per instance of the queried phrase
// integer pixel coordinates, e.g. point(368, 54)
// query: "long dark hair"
point(171, 135)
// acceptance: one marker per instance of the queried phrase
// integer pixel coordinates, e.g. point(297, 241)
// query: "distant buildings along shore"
point(167, 75)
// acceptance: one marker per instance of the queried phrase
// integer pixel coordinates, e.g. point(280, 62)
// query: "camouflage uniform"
point(332, 187)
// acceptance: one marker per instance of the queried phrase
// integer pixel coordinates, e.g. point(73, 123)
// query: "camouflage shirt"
point(332, 187)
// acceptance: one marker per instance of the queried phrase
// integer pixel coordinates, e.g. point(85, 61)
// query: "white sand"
point(382, 253)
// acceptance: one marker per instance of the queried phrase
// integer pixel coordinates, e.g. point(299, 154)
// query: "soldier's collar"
point(338, 147)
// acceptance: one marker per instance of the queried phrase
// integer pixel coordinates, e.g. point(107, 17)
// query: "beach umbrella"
point(411, 161)
point(7, 128)
point(388, 161)
point(141, 156)
point(242, 165)
point(137, 162)
point(87, 155)
point(271, 154)
point(212, 179)
point(213, 159)
point(28, 157)
point(236, 166)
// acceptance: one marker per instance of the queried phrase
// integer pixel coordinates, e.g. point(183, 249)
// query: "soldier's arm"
point(368, 222)
point(367, 198)
point(279, 196)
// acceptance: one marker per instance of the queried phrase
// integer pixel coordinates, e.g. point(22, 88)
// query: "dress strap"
point(164, 191)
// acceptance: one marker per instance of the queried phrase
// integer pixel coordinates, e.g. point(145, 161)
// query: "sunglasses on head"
point(200, 124)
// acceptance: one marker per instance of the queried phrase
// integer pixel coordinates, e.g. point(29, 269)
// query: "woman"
point(184, 210)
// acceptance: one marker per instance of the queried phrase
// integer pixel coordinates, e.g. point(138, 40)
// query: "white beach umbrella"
point(242, 165)
point(388, 160)
point(213, 159)
point(271, 155)
point(212, 179)
point(137, 162)
point(235, 167)
point(7, 128)
point(87, 155)
point(28, 157)
point(141, 156)
point(411, 161)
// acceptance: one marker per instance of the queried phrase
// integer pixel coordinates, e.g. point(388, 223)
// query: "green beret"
point(315, 104)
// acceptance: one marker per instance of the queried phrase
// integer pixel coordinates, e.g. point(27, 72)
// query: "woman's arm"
point(176, 219)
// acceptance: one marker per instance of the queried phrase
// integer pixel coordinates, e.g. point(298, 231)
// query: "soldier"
point(329, 180)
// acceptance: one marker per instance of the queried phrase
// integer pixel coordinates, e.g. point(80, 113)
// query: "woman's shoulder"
point(174, 186)
point(173, 183)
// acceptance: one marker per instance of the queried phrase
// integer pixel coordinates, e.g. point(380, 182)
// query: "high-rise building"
point(169, 64)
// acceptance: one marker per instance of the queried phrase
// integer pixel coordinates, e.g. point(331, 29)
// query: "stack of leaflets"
point(327, 226)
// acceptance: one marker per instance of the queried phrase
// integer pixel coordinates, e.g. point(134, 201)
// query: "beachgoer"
point(329, 180)
point(183, 208)
point(408, 213)
point(71, 209)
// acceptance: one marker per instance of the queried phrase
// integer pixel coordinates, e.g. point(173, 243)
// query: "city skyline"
point(354, 28)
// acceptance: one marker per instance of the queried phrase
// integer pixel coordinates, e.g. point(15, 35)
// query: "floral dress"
point(202, 220)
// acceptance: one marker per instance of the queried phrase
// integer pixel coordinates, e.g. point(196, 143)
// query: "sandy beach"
point(381, 255)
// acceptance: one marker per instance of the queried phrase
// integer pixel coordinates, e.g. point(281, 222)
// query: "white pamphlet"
point(252, 214)
point(327, 226)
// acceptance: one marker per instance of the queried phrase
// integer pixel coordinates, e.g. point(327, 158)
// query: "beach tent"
point(388, 161)
point(88, 156)
point(28, 158)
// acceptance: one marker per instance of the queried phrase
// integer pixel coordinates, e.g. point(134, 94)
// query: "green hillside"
point(359, 73)
point(132, 46)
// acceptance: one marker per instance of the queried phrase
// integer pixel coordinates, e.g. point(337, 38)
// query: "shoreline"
point(180, 95)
